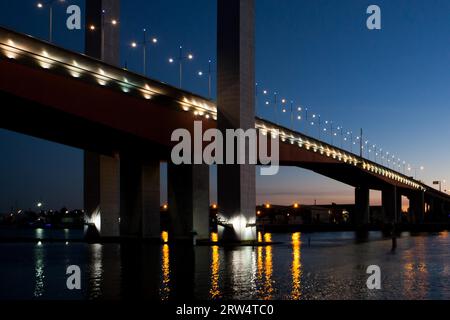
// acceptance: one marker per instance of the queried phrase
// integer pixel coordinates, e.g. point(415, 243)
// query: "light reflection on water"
point(165, 273)
point(39, 271)
point(96, 271)
point(294, 266)
point(215, 267)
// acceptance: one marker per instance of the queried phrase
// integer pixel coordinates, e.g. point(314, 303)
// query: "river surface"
point(297, 266)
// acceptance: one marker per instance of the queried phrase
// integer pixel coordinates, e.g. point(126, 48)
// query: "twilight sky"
point(394, 83)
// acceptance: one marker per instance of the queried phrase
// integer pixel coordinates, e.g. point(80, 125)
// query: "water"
point(306, 266)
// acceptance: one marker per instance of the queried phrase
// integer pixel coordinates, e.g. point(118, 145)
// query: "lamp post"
point(200, 73)
point(331, 132)
point(181, 58)
point(292, 115)
point(421, 169)
point(275, 105)
point(320, 126)
point(318, 123)
point(361, 147)
point(341, 131)
point(265, 93)
point(350, 133)
point(283, 104)
point(144, 43)
point(291, 108)
point(306, 121)
point(367, 149)
point(299, 116)
point(439, 182)
point(49, 4)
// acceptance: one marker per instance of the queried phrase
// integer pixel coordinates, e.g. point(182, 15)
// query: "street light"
point(292, 115)
point(352, 142)
point(299, 115)
point(440, 182)
point(331, 130)
point(283, 103)
point(112, 22)
point(306, 121)
point(145, 41)
point(422, 168)
point(275, 104)
point(181, 58)
point(49, 4)
point(318, 122)
point(341, 131)
point(200, 74)
point(320, 126)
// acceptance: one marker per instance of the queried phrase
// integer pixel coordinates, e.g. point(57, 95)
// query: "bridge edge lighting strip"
point(338, 154)
point(106, 73)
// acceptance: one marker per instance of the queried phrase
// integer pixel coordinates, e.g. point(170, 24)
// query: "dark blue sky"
point(394, 83)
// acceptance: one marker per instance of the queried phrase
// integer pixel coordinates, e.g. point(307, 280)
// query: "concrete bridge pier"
point(417, 206)
point(362, 205)
point(102, 173)
point(188, 195)
point(139, 198)
point(102, 193)
point(390, 203)
point(236, 110)
point(439, 212)
point(434, 209)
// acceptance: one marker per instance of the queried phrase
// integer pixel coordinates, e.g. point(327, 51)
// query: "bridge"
point(124, 122)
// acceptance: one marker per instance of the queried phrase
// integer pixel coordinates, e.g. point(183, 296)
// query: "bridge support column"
point(236, 110)
point(102, 193)
point(389, 202)
point(188, 195)
point(362, 205)
point(439, 210)
point(417, 206)
point(102, 174)
point(140, 198)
